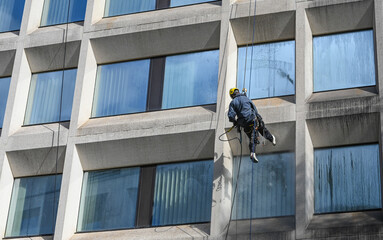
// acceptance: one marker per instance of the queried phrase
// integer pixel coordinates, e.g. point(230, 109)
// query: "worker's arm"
point(231, 114)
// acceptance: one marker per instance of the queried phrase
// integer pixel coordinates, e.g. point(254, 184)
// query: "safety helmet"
point(233, 92)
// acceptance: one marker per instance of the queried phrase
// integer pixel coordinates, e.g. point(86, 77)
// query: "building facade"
point(113, 116)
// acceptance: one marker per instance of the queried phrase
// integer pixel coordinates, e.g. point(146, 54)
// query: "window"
point(45, 97)
point(146, 196)
point(271, 68)
point(109, 199)
point(121, 7)
point(121, 88)
point(4, 89)
point(159, 83)
point(33, 207)
point(183, 193)
point(190, 79)
point(344, 61)
point(272, 192)
point(11, 13)
point(56, 11)
point(347, 178)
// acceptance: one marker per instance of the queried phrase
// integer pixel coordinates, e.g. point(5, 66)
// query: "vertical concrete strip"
point(378, 30)
point(70, 194)
point(223, 159)
point(94, 13)
point(6, 184)
point(33, 10)
point(304, 149)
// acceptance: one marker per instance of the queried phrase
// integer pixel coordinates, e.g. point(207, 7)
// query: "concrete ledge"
point(346, 219)
point(8, 40)
point(38, 136)
point(262, 225)
point(351, 232)
point(7, 59)
point(125, 46)
point(140, 151)
point(148, 124)
point(184, 232)
point(33, 238)
point(158, 19)
point(263, 7)
point(54, 35)
point(36, 162)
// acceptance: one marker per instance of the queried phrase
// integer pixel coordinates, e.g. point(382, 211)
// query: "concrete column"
point(70, 194)
point(18, 94)
point(85, 81)
point(223, 159)
point(33, 10)
point(6, 185)
point(94, 13)
point(304, 149)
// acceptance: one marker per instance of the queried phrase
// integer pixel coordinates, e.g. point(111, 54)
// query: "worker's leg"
point(264, 131)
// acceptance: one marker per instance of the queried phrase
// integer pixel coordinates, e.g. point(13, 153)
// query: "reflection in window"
point(11, 13)
point(56, 11)
point(272, 191)
point(175, 3)
point(272, 69)
point(344, 61)
point(4, 89)
point(121, 88)
point(190, 79)
point(120, 7)
point(347, 179)
point(109, 199)
point(45, 96)
point(33, 206)
point(183, 193)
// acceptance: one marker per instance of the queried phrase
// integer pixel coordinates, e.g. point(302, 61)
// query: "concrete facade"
point(301, 122)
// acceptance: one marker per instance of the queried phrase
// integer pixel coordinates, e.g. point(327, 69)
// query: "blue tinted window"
point(120, 7)
point(272, 69)
point(33, 206)
point(121, 88)
point(175, 3)
point(45, 96)
point(183, 193)
point(11, 13)
point(344, 61)
point(109, 199)
point(347, 179)
point(272, 192)
point(4, 89)
point(56, 11)
point(190, 79)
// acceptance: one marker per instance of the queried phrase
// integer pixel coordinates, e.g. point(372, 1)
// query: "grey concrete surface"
point(301, 122)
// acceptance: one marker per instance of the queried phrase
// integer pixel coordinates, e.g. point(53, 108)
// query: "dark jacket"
point(243, 108)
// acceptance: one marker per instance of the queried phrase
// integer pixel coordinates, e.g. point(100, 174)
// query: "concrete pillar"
point(94, 13)
point(6, 185)
point(304, 149)
point(70, 194)
point(32, 16)
point(223, 159)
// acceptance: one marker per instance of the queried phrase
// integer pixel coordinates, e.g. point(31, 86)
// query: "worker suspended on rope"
point(249, 119)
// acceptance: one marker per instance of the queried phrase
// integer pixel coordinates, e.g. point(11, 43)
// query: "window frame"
point(250, 45)
point(155, 85)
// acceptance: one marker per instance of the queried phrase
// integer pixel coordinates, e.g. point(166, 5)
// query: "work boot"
point(274, 142)
point(253, 157)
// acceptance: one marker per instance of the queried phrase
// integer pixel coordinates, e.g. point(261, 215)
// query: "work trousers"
point(252, 133)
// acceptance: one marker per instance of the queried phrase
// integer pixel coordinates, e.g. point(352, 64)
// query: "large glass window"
point(266, 189)
point(183, 193)
point(11, 13)
point(56, 11)
point(344, 61)
point(45, 97)
point(271, 68)
point(347, 178)
point(121, 88)
point(4, 89)
point(33, 206)
point(109, 199)
point(190, 79)
point(120, 7)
